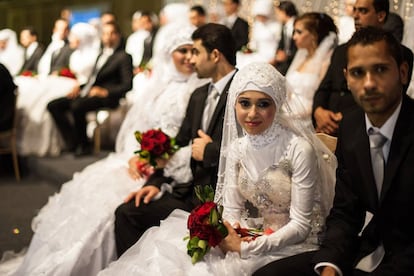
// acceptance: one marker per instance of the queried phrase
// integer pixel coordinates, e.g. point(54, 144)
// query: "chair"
point(104, 115)
point(9, 137)
point(328, 140)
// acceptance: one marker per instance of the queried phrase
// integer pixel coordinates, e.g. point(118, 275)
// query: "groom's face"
point(202, 60)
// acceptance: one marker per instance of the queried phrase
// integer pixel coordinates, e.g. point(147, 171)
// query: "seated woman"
point(38, 134)
point(315, 38)
point(74, 231)
point(275, 164)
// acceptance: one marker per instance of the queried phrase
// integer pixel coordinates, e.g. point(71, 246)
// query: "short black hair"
point(370, 35)
point(116, 27)
point(32, 31)
point(382, 6)
point(288, 7)
point(217, 36)
point(199, 10)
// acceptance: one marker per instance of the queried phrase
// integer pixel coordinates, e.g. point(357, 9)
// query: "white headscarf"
point(13, 55)
point(265, 78)
point(83, 59)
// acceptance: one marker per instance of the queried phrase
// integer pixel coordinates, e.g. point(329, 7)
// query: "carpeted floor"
point(21, 201)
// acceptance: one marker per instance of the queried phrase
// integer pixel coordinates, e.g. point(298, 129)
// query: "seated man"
point(214, 57)
point(109, 81)
point(333, 100)
point(57, 53)
point(34, 50)
point(369, 229)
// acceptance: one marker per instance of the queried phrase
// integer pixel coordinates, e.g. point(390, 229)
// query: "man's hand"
point(199, 144)
point(97, 91)
point(146, 193)
point(232, 242)
point(74, 93)
point(326, 120)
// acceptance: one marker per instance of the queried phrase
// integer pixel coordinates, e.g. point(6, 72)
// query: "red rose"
point(147, 144)
point(27, 73)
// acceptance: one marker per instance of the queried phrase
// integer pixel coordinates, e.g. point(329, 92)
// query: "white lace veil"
point(319, 58)
point(265, 78)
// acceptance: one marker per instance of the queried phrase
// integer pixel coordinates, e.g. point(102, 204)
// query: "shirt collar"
point(221, 84)
point(388, 127)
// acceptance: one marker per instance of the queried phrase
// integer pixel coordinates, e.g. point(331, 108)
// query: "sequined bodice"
point(270, 194)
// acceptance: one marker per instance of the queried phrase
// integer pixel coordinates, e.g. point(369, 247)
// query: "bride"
point(315, 37)
point(270, 164)
point(74, 231)
point(37, 133)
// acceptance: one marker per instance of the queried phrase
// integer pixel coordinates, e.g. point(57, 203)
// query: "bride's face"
point(255, 111)
point(303, 38)
point(181, 58)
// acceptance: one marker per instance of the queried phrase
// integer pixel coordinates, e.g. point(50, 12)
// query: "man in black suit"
point(333, 99)
point(110, 80)
point(33, 50)
point(286, 13)
point(7, 97)
point(214, 57)
point(238, 26)
point(369, 229)
point(58, 52)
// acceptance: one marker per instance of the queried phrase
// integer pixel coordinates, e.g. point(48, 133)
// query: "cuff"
point(319, 266)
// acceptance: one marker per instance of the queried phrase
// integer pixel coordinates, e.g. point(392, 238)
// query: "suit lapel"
point(401, 140)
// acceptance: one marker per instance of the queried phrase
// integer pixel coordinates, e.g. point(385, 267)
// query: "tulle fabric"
point(163, 251)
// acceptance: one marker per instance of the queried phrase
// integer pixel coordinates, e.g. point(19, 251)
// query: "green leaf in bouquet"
point(203, 245)
point(222, 229)
point(138, 136)
point(214, 217)
point(204, 193)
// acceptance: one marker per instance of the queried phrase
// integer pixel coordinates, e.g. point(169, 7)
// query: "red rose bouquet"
point(65, 72)
point(28, 73)
point(155, 144)
point(205, 224)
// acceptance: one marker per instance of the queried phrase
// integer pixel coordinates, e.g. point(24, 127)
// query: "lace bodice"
point(270, 194)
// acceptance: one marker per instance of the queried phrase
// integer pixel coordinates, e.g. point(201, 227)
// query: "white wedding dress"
point(37, 134)
point(74, 232)
point(305, 81)
point(162, 250)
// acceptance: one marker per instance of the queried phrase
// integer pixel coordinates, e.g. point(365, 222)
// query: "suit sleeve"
point(124, 84)
point(321, 97)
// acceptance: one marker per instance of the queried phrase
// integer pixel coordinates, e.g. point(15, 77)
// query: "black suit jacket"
point(205, 172)
point(356, 193)
point(7, 97)
point(61, 59)
point(116, 74)
point(31, 63)
point(333, 93)
point(283, 67)
point(240, 32)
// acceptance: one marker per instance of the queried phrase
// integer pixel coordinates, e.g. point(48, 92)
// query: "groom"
point(369, 229)
point(214, 57)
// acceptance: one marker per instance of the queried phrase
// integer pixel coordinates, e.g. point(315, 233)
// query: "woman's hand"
point(133, 171)
point(232, 242)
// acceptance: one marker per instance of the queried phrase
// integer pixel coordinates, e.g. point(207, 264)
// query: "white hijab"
point(13, 55)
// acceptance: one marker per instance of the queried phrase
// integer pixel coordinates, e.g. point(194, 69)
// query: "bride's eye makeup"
point(244, 102)
point(265, 103)
point(183, 50)
point(260, 103)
